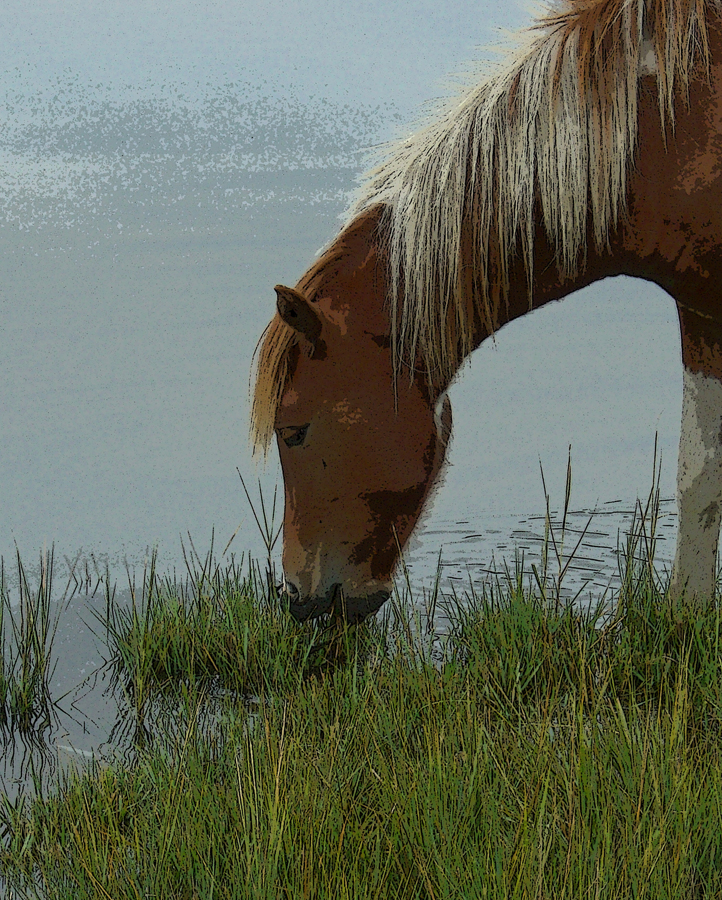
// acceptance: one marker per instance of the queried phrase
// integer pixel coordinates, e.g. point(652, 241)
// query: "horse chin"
point(351, 609)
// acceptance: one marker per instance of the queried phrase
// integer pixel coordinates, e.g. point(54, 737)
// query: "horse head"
point(360, 451)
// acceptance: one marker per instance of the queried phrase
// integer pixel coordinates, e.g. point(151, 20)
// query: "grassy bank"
point(537, 752)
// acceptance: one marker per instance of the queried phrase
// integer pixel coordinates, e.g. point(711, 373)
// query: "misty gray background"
point(162, 166)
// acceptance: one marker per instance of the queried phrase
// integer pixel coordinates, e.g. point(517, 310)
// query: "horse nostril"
point(291, 590)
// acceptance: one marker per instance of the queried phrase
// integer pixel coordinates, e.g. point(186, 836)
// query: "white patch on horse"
point(442, 412)
point(699, 486)
point(438, 409)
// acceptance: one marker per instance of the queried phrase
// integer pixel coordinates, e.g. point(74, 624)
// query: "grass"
point(539, 752)
point(25, 703)
point(495, 774)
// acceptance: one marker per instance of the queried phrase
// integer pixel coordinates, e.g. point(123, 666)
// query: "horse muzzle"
point(335, 602)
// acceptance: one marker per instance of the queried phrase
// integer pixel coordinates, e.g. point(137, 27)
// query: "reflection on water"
point(84, 711)
point(594, 539)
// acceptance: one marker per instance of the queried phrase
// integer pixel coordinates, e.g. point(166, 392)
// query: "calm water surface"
point(139, 244)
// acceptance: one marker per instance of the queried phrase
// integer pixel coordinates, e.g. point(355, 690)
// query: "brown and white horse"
point(596, 150)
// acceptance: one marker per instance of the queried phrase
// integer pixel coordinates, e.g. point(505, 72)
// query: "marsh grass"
point(26, 637)
point(219, 628)
point(392, 777)
point(544, 751)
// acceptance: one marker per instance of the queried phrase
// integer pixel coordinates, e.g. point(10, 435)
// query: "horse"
point(593, 150)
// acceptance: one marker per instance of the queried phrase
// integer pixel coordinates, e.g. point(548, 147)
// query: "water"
point(139, 244)
point(589, 559)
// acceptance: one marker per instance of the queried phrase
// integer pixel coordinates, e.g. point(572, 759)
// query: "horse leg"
point(699, 474)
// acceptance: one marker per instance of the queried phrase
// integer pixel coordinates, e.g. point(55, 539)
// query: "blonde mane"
point(549, 138)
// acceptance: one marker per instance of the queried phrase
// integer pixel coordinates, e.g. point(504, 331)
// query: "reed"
point(26, 635)
point(541, 750)
point(392, 777)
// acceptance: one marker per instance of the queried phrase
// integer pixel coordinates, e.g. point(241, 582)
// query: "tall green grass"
point(548, 755)
point(26, 638)
point(394, 778)
point(541, 751)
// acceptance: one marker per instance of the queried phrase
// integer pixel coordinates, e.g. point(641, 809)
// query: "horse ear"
point(296, 311)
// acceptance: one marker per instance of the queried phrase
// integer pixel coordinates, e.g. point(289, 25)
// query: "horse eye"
point(293, 436)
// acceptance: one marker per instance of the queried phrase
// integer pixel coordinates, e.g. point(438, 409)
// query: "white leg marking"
point(699, 487)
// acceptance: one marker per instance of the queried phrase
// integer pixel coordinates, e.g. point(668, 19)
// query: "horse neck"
point(547, 284)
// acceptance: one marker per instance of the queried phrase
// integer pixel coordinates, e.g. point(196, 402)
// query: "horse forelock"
point(547, 137)
point(271, 358)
